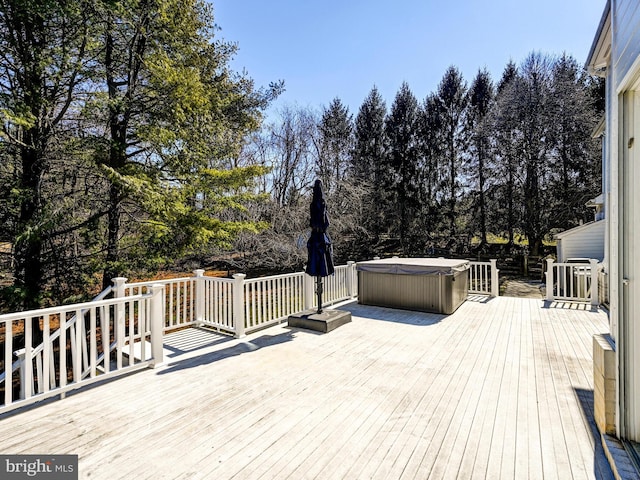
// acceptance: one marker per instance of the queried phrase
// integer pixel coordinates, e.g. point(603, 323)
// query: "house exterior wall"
point(626, 35)
point(622, 204)
point(586, 241)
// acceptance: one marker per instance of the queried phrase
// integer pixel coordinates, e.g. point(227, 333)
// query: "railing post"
point(595, 300)
point(495, 283)
point(238, 304)
point(308, 291)
point(199, 296)
point(350, 279)
point(549, 279)
point(118, 292)
point(118, 286)
point(157, 325)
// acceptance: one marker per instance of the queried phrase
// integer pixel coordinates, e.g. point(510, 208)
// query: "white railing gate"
point(572, 282)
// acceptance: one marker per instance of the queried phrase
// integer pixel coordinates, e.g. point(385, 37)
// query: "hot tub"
point(425, 284)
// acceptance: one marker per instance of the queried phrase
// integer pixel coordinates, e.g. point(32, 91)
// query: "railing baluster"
point(257, 305)
point(175, 305)
point(63, 350)
point(46, 351)
point(85, 345)
point(271, 293)
point(142, 329)
point(119, 332)
point(40, 388)
point(221, 298)
point(77, 365)
point(52, 371)
point(485, 276)
point(72, 346)
point(186, 315)
point(182, 299)
point(207, 303)
point(258, 302)
point(226, 309)
point(217, 302)
point(131, 308)
point(8, 362)
point(281, 305)
point(27, 365)
point(105, 333)
point(93, 348)
point(251, 299)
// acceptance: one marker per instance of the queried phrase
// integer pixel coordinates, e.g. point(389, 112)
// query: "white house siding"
point(623, 97)
point(626, 35)
point(585, 241)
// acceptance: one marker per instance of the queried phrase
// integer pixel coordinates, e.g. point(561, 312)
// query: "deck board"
point(500, 389)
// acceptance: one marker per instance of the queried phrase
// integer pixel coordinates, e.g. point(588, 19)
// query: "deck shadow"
point(192, 339)
point(393, 315)
point(478, 298)
point(238, 349)
point(568, 305)
point(601, 468)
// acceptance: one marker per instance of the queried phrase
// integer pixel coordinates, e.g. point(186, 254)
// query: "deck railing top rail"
point(7, 317)
point(271, 277)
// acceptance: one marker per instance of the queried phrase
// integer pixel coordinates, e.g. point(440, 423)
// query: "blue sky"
point(329, 49)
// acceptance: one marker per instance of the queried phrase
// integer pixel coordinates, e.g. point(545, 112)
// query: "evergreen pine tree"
point(404, 173)
point(506, 192)
point(575, 154)
point(45, 47)
point(369, 148)
point(336, 143)
point(175, 115)
point(532, 103)
point(452, 95)
point(480, 102)
point(368, 168)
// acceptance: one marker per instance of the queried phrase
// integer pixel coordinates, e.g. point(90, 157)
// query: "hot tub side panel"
point(457, 290)
point(428, 293)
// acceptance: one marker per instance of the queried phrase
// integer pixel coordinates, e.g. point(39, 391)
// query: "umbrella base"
point(320, 322)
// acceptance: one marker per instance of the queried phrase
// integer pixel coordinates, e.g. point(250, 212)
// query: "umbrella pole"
point(319, 292)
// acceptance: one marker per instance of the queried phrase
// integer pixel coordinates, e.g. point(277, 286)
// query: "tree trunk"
point(510, 208)
point(117, 159)
point(112, 269)
point(532, 207)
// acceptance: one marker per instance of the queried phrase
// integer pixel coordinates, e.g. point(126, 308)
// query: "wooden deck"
point(502, 389)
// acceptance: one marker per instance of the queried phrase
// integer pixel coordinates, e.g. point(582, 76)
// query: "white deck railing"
point(268, 300)
point(572, 282)
point(483, 278)
point(109, 337)
point(81, 343)
point(239, 305)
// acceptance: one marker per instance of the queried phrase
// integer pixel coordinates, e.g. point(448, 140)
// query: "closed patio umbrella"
point(319, 249)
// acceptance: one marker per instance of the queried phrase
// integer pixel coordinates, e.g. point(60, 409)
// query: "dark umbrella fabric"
point(319, 249)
